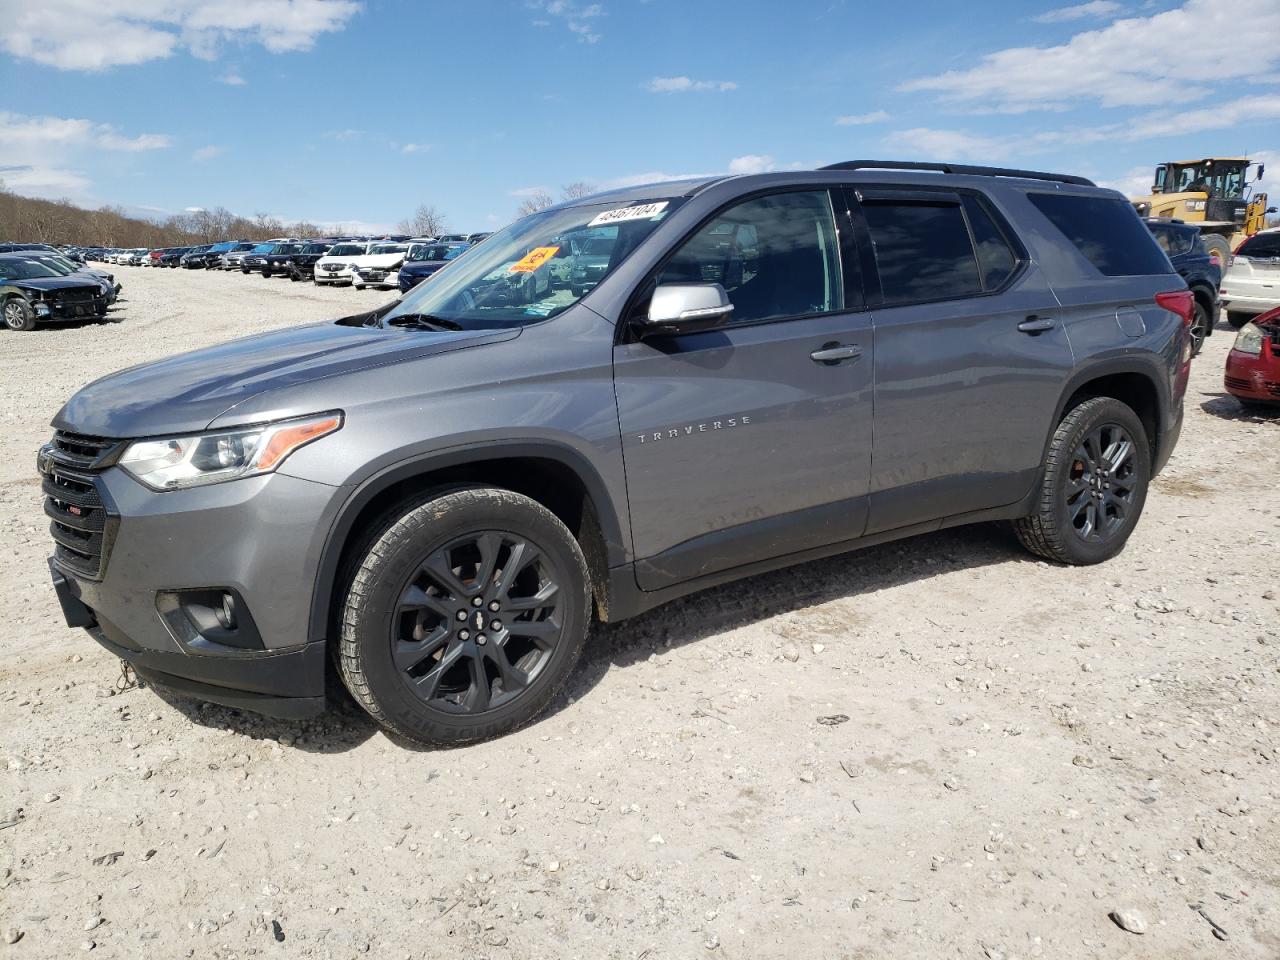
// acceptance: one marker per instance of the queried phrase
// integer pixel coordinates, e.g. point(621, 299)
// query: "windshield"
point(315, 248)
point(26, 270)
point(389, 248)
point(262, 248)
point(286, 248)
point(435, 253)
point(525, 273)
point(59, 264)
point(347, 250)
point(1223, 180)
point(1260, 245)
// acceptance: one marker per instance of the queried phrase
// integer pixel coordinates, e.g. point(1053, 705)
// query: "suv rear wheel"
point(1238, 318)
point(465, 617)
point(1093, 487)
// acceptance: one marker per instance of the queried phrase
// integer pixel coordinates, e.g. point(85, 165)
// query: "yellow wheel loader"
point(1215, 194)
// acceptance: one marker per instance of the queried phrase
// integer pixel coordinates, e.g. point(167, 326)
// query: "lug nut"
point(495, 625)
point(462, 614)
point(464, 634)
point(476, 601)
point(481, 638)
point(494, 606)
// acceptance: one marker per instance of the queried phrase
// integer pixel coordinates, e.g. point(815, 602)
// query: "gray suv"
point(437, 497)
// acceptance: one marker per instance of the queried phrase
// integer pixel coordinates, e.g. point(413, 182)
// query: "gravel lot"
point(937, 748)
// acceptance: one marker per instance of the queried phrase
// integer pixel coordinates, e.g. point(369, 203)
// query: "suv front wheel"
point(465, 617)
point(1093, 487)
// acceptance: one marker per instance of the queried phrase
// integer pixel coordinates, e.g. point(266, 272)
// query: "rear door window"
point(996, 259)
point(922, 249)
point(1107, 232)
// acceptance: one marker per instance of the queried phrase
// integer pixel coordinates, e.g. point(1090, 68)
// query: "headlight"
point(173, 463)
point(1249, 339)
point(1196, 205)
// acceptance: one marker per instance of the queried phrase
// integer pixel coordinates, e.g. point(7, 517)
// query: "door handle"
point(833, 353)
point(1037, 324)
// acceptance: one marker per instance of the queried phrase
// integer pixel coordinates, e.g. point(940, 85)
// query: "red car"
point(1253, 365)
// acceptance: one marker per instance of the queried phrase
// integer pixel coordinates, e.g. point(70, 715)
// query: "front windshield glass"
point(286, 248)
point(526, 273)
point(389, 248)
point(60, 264)
point(26, 270)
point(315, 248)
point(435, 252)
point(262, 248)
point(347, 250)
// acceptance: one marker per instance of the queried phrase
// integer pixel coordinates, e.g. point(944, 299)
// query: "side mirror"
point(678, 308)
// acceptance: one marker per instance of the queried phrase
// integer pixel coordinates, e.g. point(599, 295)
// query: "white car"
point(1252, 283)
point(380, 267)
point(335, 266)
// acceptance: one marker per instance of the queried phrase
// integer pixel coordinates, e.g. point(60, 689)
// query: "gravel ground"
point(937, 748)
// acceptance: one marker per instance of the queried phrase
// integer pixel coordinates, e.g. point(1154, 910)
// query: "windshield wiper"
point(427, 321)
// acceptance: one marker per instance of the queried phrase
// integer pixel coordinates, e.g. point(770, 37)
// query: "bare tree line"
point(541, 199)
point(62, 222)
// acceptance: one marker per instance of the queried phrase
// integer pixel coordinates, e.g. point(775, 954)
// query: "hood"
point(189, 391)
point(421, 268)
point(53, 283)
point(377, 260)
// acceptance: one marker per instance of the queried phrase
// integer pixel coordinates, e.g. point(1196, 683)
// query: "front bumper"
point(382, 279)
point(255, 538)
point(332, 276)
point(75, 310)
point(1253, 377)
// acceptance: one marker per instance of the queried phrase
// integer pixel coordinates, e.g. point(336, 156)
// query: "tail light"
point(1181, 302)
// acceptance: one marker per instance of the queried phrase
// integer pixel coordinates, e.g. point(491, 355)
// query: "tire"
point(244, 270)
point(18, 315)
point(293, 277)
point(424, 570)
point(1081, 477)
point(1236, 319)
point(1215, 242)
point(266, 274)
point(1201, 324)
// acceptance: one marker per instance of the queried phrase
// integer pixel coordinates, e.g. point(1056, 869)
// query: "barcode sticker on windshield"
point(645, 211)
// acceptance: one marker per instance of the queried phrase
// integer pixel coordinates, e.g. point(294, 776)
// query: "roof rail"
point(959, 168)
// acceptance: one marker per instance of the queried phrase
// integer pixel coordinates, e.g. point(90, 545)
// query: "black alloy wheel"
point(477, 622)
point(1101, 482)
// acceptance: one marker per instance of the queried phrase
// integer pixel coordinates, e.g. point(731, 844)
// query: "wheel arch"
point(558, 477)
point(1131, 381)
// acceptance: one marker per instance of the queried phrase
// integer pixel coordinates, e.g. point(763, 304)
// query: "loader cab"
point(1218, 178)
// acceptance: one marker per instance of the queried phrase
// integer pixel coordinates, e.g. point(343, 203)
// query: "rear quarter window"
point(1107, 232)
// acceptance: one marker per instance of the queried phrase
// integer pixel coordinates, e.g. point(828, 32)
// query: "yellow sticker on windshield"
point(533, 259)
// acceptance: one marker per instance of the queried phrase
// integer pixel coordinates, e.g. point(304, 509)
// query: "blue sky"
point(355, 112)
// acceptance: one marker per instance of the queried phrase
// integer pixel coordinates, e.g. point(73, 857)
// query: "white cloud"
point(207, 153)
point(1135, 183)
point(861, 119)
point(1112, 65)
point(687, 85)
point(529, 191)
point(38, 155)
point(1081, 11)
point(96, 34)
point(751, 163)
point(347, 134)
point(578, 18)
point(232, 78)
point(409, 148)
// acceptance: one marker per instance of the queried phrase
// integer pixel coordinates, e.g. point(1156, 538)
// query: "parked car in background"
point(16, 247)
point(275, 262)
point(425, 260)
point(254, 259)
point(193, 259)
point(1253, 365)
point(302, 265)
point(68, 268)
point(475, 238)
point(454, 238)
point(231, 260)
point(171, 256)
point(1186, 250)
point(32, 293)
point(1252, 283)
point(335, 266)
point(152, 259)
point(135, 257)
point(378, 267)
point(210, 258)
